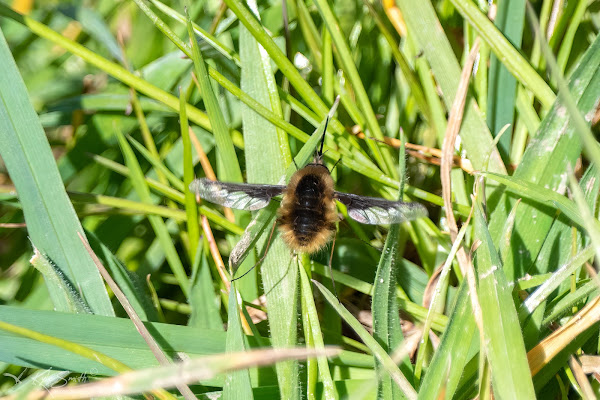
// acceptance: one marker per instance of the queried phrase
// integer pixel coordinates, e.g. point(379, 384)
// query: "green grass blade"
point(423, 26)
point(267, 156)
point(157, 163)
point(506, 52)
point(382, 155)
point(384, 307)
point(114, 337)
point(167, 191)
point(502, 90)
point(372, 344)
point(65, 293)
point(51, 221)
point(505, 347)
point(205, 313)
point(132, 285)
point(228, 165)
point(287, 68)
point(158, 225)
point(386, 322)
point(556, 146)
point(542, 293)
point(237, 383)
point(329, 391)
point(204, 35)
point(449, 361)
point(538, 193)
point(71, 347)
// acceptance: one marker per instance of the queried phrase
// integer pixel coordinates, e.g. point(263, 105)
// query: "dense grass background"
point(109, 111)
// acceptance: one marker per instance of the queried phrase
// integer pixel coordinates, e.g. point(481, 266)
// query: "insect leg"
point(263, 256)
point(331, 270)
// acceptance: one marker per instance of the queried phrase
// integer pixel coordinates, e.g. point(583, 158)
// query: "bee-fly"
point(307, 215)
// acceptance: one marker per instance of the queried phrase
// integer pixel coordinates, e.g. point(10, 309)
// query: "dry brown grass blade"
point(454, 122)
point(214, 251)
point(428, 154)
point(586, 389)
point(186, 372)
point(452, 130)
point(591, 365)
point(548, 348)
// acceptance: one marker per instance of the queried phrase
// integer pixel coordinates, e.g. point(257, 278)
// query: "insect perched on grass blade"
point(307, 215)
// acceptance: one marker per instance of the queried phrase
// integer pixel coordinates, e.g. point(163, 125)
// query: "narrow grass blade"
point(237, 383)
point(228, 162)
point(372, 344)
point(111, 68)
point(382, 155)
point(67, 294)
point(329, 391)
point(205, 313)
point(132, 286)
point(206, 37)
point(506, 52)
point(267, 156)
point(502, 92)
point(449, 361)
point(73, 348)
point(386, 321)
point(158, 225)
point(51, 221)
point(505, 347)
point(540, 194)
point(423, 26)
point(166, 191)
point(287, 68)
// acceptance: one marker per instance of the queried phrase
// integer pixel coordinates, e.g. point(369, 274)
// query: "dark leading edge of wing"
point(242, 196)
point(375, 211)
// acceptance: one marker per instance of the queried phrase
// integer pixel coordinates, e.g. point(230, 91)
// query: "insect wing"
point(376, 211)
point(241, 196)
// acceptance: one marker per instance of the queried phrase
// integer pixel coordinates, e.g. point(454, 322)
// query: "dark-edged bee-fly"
point(307, 215)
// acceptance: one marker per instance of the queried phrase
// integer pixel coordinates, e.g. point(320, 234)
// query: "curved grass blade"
point(51, 220)
point(158, 225)
point(381, 355)
point(228, 162)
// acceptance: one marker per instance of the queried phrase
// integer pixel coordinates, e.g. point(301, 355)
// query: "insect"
point(307, 215)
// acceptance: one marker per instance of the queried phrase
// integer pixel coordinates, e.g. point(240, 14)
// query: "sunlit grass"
point(253, 88)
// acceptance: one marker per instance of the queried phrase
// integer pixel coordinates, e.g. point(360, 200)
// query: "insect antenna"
point(319, 155)
point(261, 258)
point(336, 163)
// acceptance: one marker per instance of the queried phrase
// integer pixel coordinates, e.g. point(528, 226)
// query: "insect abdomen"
point(307, 214)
